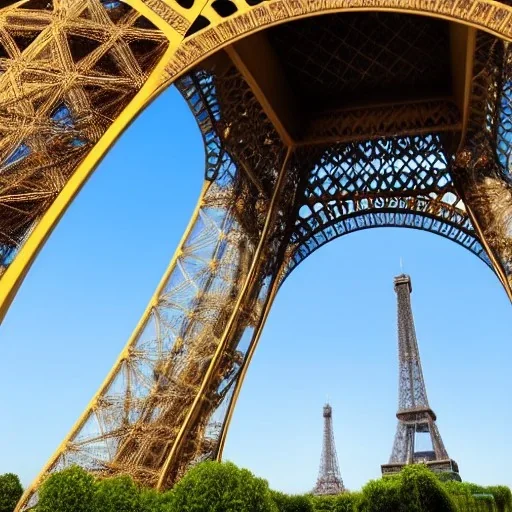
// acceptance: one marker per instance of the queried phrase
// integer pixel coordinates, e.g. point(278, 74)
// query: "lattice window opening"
point(198, 90)
point(215, 9)
point(504, 136)
point(225, 107)
point(370, 166)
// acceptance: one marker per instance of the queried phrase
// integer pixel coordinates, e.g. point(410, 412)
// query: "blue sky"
point(332, 330)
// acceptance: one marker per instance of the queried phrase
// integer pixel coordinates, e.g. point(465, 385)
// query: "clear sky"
point(332, 331)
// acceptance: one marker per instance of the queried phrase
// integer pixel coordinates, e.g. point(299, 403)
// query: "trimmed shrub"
point(287, 503)
point(69, 490)
point(502, 497)
point(119, 494)
point(10, 491)
point(153, 501)
point(381, 495)
point(415, 489)
point(425, 491)
point(221, 487)
point(346, 502)
point(323, 503)
point(470, 497)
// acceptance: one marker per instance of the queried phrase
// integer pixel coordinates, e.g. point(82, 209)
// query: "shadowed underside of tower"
point(416, 419)
point(319, 118)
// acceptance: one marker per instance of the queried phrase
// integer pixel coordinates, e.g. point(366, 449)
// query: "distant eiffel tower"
point(329, 477)
point(414, 413)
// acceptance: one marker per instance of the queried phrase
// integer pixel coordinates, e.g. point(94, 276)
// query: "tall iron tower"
point(329, 477)
point(417, 438)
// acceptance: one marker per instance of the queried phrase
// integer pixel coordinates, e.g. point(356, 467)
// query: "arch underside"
point(266, 204)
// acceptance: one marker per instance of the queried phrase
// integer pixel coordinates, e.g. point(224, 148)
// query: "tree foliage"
point(287, 503)
point(116, 495)
point(69, 490)
point(221, 487)
point(415, 489)
point(346, 502)
point(10, 491)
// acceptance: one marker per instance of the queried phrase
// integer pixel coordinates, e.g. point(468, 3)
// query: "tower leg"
point(482, 168)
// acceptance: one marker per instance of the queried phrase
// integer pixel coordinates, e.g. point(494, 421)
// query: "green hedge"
point(347, 502)
point(287, 503)
point(223, 487)
point(415, 489)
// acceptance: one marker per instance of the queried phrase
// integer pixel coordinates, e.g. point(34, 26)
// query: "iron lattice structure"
point(414, 413)
point(329, 480)
point(319, 118)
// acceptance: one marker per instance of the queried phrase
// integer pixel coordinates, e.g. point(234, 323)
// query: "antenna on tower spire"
point(401, 265)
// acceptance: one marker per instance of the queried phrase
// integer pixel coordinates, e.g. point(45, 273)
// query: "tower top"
point(327, 411)
point(403, 279)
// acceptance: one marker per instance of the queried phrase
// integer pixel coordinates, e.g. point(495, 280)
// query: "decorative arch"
point(193, 30)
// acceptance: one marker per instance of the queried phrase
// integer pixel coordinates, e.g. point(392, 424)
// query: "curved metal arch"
point(188, 48)
point(394, 218)
point(66, 115)
point(216, 32)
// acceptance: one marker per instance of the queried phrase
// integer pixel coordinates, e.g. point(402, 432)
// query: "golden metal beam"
point(122, 356)
point(462, 53)
point(260, 67)
point(249, 281)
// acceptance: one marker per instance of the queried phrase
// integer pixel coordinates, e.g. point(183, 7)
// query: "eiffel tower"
point(319, 118)
point(329, 480)
point(415, 417)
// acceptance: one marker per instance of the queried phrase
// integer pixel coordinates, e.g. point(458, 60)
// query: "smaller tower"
point(416, 420)
point(329, 477)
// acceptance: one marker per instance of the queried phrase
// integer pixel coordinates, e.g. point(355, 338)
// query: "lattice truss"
point(62, 84)
point(329, 481)
point(414, 413)
point(159, 384)
point(484, 168)
point(388, 182)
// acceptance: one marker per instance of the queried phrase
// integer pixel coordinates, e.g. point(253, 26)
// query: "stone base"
point(448, 466)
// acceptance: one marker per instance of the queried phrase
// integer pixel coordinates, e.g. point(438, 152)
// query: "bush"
point(470, 497)
point(118, 494)
point(10, 492)
point(153, 501)
point(221, 487)
point(69, 490)
point(346, 502)
point(502, 497)
point(425, 491)
point(415, 489)
point(286, 503)
point(381, 495)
